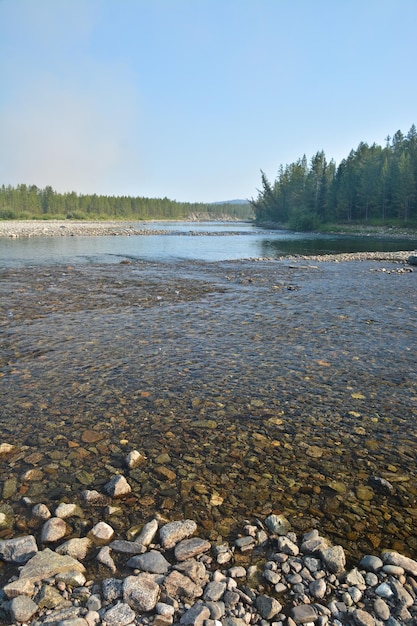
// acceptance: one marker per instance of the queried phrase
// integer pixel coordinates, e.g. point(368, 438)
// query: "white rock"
point(101, 533)
point(117, 487)
point(65, 510)
point(148, 532)
point(53, 530)
point(41, 511)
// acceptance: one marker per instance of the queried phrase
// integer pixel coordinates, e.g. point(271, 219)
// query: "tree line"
point(373, 184)
point(31, 202)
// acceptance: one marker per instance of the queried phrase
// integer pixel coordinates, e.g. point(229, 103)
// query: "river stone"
point(403, 597)
point(49, 598)
point(101, 533)
point(9, 488)
point(18, 550)
point(312, 543)
point(214, 591)
point(135, 459)
point(91, 436)
point(278, 524)
point(394, 558)
point(334, 559)
point(196, 615)
point(112, 589)
point(140, 592)
point(194, 570)
point(119, 615)
point(76, 548)
point(104, 557)
point(381, 609)
point(173, 532)
point(53, 530)
point(153, 562)
point(117, 487)
point(94, 498)
point(6, 448)
point(65, 510)
point(189, 548)
point(41, 511)
point(268, 607)
point(384, 591)
point(381, 485)
point(178, 585)
point(354, 577)
point(371, 563)
point(127, 547)
point(148, 532)
point(412, 259)
point(304, 613)
point(318, 588)
point(47, 563)
point(363, 618)
point(22, 609)
point(287, 546)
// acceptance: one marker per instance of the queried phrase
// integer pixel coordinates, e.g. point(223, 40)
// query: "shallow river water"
point(250, 387)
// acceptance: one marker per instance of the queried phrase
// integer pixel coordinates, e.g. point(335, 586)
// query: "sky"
point(190, 99)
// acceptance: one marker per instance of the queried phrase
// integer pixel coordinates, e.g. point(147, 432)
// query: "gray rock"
point(287, 546)
point(304, 613)
point(47, 563)
point(245, 543)
point(117, 487)
point(233, 621)
point(140, 592)
point(153, 562)
point(278, 524)
point(384, 591)
point(318, 588)
point(59, 616)
point(412, 259)
point(313, 543)
point(164, 609)
point(22, 609)
point(354, 577)
point(194, 570)
point(76, 548)
point(148, 532)
point(371, 563)
point(127, 547)
point(104, 557)
point(363, 618)
point(403, 597)
point(190, 548)
point(177, 585)
point(119, 615)
point(334, 559)
point(214, 591)
point(381, 609)
point(196, 615)
point(394, 558)
point(18, 550)
point(371, 579)
point(237, 571)
point(268, 607)
point(173, 532)
point(217, 609)
point(112, 589)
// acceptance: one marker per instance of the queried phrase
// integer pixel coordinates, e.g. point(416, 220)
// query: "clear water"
point(202, 241)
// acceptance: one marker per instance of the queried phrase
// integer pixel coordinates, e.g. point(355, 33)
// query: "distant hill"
point(232, 202)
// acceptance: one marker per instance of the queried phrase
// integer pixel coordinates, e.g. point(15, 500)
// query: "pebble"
point(117, 487)
point(176, 582)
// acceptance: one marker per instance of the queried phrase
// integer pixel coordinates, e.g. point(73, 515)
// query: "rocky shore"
point(64, 228)
point(163, 573)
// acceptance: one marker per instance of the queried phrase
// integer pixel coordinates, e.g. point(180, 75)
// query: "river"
point(195, 241)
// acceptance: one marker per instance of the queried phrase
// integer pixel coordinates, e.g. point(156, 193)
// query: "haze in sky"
point(189, 99)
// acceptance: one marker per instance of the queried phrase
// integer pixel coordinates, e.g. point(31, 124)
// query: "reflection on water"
point(186, 240)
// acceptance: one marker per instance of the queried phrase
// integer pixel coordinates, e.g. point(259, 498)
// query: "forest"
point(373, 185)
point(30, 202)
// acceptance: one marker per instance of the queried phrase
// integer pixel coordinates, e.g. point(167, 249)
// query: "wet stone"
point(278, 524)
point(117, 487)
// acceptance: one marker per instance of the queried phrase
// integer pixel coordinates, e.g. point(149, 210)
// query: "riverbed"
point(250, 387)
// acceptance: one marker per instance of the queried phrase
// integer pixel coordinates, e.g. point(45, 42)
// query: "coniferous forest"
point(373, 185)
point(30, 202)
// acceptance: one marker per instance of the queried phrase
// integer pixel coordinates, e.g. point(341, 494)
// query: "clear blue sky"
point(189, 99)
